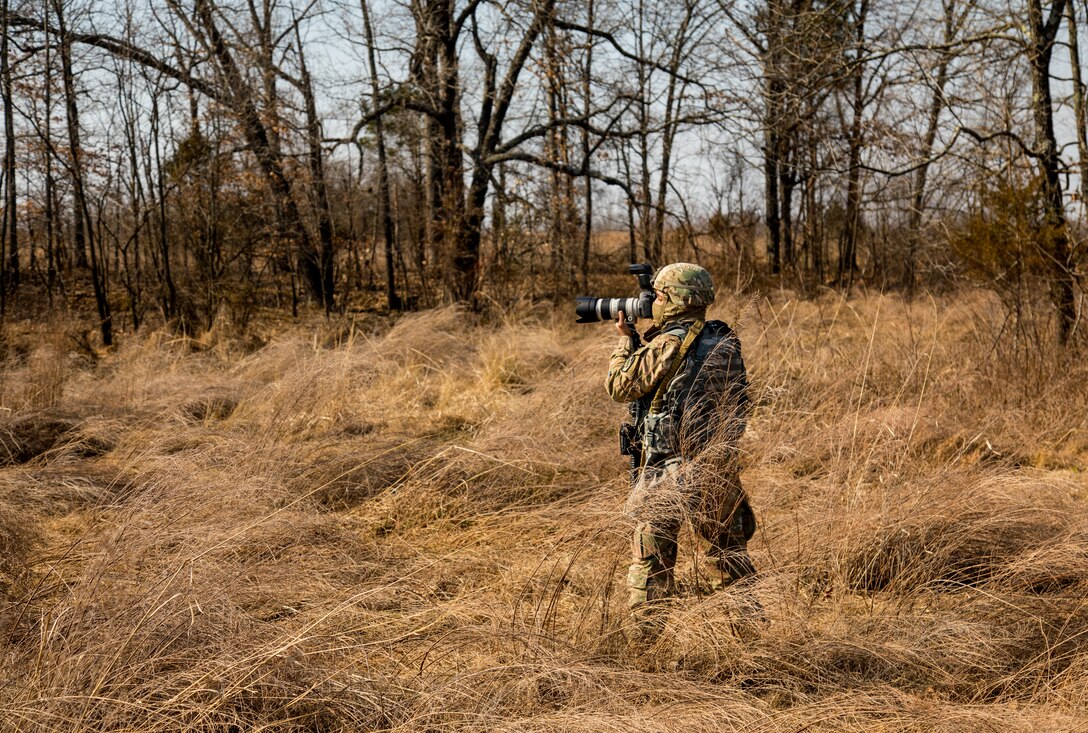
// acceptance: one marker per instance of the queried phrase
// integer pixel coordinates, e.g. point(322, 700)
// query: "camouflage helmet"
point(686, 285)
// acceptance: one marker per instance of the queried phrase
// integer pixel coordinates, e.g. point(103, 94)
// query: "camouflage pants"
point(664, 497)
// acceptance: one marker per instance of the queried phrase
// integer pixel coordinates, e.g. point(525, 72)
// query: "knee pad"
point(654, 544)
point(638, 580)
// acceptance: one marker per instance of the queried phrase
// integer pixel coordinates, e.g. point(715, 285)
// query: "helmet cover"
point(688, 288)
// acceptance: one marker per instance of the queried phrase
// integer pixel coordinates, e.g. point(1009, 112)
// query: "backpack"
point(704, 399)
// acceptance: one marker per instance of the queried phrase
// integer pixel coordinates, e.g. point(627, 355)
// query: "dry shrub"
point(949, 535)
point(24, 437)
point(38, 361)
point(215, 404)
point(312, 394)
point(18, 534)
point(346, 468)
point(181, 605)
point(271, 362)
point(156, 377)
point(384, 381)
point(532, 451)
point(516, 357)
point(553, 695)
point(48, 370)
point(58, 489)
point(434, 340)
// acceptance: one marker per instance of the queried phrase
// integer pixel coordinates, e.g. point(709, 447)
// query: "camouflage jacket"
point(635, 373)
point(706, 398)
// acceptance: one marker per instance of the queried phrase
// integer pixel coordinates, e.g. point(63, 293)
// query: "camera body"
point(593, 310)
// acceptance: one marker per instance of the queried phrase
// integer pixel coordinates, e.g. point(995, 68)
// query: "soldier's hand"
point(621, 325)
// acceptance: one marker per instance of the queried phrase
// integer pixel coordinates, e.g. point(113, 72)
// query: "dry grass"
point(418, 527)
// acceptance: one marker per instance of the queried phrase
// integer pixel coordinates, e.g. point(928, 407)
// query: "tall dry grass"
point(418, 526)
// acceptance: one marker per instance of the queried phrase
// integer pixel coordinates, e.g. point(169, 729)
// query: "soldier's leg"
point(657, 505)
point(731, 547)
point(726, 521)
point(653, 556)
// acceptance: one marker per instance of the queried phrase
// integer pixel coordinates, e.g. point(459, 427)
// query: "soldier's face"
point(658, 308)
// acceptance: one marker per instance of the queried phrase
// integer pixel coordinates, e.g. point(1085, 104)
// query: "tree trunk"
point(47, 156)
point(632, 244)
point(673, 99)
point(498, 227)
point(384, 205)
point(316, 156)
point(1078, 101)
point(554, 146)
point(852, 218)
point(131, 269)
point(81, 219)
point(813, 231)
point(457, 253)
point(770, 180)
point(787, 180)
point(10, 209)
point(463, 216)
point(1063, 282)
point(587, 102)
point(650, 248)
point(914, 224)
point(169, 298)
point(774, 89)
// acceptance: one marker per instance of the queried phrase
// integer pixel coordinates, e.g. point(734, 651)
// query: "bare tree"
point(10, 278)
point(385, 207)
point(1043, 31)
point(83, 231)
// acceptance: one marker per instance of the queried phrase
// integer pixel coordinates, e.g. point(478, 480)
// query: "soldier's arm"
point(633, 374)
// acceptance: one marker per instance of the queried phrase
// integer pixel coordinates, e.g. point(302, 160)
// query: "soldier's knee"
point(654, 542)
point(647, 582)
point(638, 580)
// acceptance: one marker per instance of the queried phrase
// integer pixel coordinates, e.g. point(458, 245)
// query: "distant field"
point(417, 526)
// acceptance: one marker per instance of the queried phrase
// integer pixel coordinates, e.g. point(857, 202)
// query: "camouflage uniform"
point(673, 484)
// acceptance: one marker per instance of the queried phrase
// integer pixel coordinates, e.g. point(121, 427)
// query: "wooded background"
point(179, 161)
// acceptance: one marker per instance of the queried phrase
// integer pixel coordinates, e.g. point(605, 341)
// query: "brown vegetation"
point(417, 526)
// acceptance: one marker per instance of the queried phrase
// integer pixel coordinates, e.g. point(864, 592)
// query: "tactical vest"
point(705, 400)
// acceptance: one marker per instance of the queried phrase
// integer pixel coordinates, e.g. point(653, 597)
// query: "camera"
point(592, 310)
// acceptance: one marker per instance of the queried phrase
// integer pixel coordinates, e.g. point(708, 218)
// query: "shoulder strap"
point(685, 347)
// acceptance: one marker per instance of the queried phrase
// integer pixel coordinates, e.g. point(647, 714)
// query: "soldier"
point(691, 379)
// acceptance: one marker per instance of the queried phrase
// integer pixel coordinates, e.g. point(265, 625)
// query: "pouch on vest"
point(658, 438)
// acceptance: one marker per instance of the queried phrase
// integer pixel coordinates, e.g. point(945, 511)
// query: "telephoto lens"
point(592, 310)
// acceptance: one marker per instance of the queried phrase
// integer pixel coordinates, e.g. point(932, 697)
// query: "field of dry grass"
point(417, 526)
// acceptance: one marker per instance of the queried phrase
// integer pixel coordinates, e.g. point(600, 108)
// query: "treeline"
point(175, 159)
